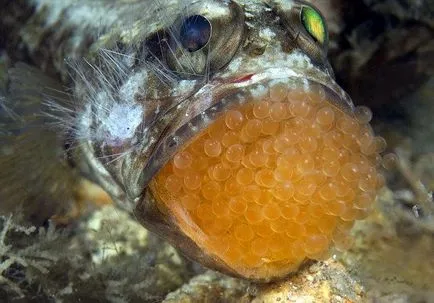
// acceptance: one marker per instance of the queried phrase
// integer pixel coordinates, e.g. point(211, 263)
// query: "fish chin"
point(270, 174)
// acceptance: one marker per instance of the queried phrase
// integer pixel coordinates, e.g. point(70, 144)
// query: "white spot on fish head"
point(234, 65)
point(287, 5)
point(259, 91)
point(267, 34)
point(183, 87)
point(134, 85)
point(121, 123)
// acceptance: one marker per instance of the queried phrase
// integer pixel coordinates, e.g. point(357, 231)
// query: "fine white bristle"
point(110, 100)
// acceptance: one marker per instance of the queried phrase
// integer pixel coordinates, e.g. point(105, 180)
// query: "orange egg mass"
point(273, 182)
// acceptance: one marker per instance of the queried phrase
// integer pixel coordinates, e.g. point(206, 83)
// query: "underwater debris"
point(326, 281)
point(392, 254)
point(16, 260)
point(211, 287)
point(108, 258)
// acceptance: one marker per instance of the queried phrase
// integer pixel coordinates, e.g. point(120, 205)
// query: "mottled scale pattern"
point(275, 181)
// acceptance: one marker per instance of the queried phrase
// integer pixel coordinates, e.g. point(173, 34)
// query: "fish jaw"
point(210, 226)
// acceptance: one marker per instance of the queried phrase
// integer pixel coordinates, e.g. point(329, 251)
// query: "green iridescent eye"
point(314, 24)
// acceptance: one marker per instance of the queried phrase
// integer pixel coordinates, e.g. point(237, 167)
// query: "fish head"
point(228, 135)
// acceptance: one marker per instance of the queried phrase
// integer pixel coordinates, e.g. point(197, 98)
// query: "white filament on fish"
point(108, 111)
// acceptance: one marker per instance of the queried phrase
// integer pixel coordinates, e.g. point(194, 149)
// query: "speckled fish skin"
point(135, 94)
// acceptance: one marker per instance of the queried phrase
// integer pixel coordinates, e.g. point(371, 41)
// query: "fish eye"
point(195, 33)
point(203, 42)
point(314, 24)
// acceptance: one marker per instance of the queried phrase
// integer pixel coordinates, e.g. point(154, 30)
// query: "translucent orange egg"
point(234, 119)
point(325, 116)
point(245, 176)
point(261, 110)
point(212, 148)
point(183, 160)
point(235, 153)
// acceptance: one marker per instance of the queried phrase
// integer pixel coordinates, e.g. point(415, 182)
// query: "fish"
point(217, 124)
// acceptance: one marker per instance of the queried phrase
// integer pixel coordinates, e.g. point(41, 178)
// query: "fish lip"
point(220, 94)
point(343, 100)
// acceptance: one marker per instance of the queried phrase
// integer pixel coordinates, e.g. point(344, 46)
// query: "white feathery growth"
point(104, 108)
point(110, 114)
point(120, 124)
point(6, 109)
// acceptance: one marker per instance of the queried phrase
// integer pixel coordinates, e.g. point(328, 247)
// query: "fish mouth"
point(206, 106)
point(267, 175)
